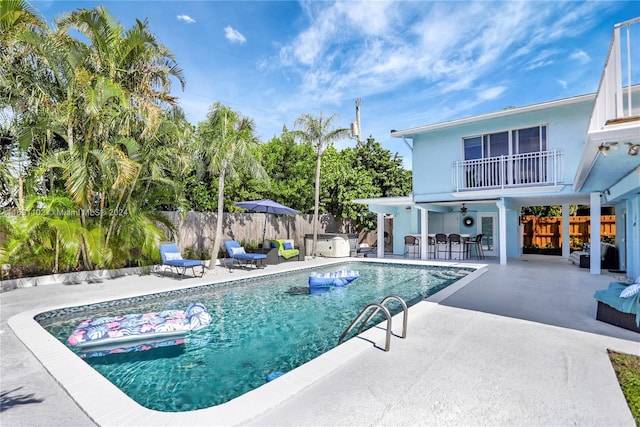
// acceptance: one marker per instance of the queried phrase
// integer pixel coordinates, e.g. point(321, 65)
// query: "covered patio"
point(494, 214)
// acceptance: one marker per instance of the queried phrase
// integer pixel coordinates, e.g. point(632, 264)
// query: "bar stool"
point(456, 246)
point(476, 242)
point(441, 239)
point(432, 249)
point(411, 246)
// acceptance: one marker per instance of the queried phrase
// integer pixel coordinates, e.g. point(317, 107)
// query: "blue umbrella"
point(267, 206)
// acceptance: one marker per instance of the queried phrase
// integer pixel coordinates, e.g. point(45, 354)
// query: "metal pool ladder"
point(377, 307)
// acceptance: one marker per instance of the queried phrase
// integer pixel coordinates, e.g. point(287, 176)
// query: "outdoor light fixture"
point(634, 149)
point(606, 146)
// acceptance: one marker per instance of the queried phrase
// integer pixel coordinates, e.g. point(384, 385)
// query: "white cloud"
point(372, 18)
point(543, 58)
point(490, 93)
point(580, 57)
point(233, 35)
point(432, 53)
point(450, 44)
point(186, 18)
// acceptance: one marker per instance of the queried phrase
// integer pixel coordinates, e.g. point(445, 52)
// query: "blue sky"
point(411, 62)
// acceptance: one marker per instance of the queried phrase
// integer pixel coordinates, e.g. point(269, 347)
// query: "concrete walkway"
point(518, 345)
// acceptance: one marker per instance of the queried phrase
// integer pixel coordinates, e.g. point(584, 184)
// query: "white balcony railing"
point(519, 170)
point(614, 100)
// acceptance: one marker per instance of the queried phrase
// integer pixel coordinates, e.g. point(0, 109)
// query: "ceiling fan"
point(467, 220)
point(464, 209)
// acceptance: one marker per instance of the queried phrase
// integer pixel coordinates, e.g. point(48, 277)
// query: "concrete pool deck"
point(518, 345)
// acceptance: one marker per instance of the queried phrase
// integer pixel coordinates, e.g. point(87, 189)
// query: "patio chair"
point(476, 242)
point(442, 245)
point(171, 258)
point(282, 250)
point(238, 256)
point(411, 247)
point(457, 247)
point(432, 248)
point(365, 250)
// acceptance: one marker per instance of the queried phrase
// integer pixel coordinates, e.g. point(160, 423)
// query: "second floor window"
point(527, 140)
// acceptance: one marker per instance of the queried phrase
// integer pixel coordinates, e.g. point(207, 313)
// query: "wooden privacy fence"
point(197, 230)
point(547, 232)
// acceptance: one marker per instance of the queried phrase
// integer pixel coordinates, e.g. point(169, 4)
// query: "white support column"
point(633, 235)
point(595, 254)
point(621, 233)
point(502, 233)
point(424, 234)
point(380, 231)
point(566, 232)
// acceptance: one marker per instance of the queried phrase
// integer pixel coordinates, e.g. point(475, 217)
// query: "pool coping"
point(90, 390)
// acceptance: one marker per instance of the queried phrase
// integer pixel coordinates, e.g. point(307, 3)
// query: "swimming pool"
point(260, 325)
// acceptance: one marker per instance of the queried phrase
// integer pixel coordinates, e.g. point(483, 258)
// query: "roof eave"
point(409, 133)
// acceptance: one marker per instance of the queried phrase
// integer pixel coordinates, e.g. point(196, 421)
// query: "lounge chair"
point(238, 256)
point(282, 250)
point(365, 250)
point(171, 258)
point(618, 308)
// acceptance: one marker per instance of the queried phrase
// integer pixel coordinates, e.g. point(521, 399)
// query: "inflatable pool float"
point(274, 375)
point(334, 278)
point(102, 351)
point(143, 331)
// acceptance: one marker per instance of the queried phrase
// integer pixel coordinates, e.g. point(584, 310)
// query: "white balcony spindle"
point(519, 170)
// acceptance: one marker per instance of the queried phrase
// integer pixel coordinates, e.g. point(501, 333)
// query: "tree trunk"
point(218, 239)
point(316, 207)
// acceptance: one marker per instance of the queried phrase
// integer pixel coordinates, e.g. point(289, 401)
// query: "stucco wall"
point(435, 152)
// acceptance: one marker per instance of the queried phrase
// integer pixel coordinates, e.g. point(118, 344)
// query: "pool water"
point(259, 326)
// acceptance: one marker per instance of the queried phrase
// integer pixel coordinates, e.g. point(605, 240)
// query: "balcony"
point(617, 107)
point(542, 168)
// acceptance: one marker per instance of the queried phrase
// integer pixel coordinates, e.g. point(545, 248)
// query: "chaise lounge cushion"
point(612, 298)
point(236, 251)
point(285, 248)
point(171, 256)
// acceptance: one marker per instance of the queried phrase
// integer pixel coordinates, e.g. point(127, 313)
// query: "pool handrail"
point(361, 315)
point(405, 311)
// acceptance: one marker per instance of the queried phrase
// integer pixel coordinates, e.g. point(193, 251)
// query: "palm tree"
point(18, 70)
point(319, 132)
point(133, 60)
point(121, 83)
point(101, 98)
point(225, 144)
point(50, 235)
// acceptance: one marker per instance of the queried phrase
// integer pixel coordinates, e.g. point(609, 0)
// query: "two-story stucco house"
point(473, 175)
